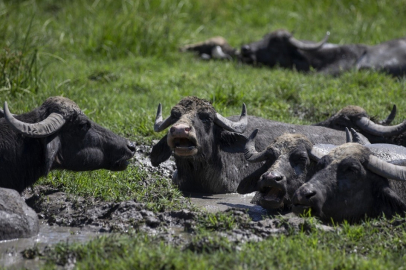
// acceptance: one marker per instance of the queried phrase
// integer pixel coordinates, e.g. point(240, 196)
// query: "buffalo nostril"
point(278, 178)
point(309, 194)
point(172, 130)
point(131, 146)
point(188, 129)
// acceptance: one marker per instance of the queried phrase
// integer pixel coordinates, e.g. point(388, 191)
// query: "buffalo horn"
point(308, 46)
point(46, 127)
point(375, 129)
point(390, 117)
point(238, 126)
point(159, 124)
point(386, 169)
point(250, 153)
point(348, 137)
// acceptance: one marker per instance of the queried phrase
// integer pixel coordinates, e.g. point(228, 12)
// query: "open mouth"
point(184, 147)
point(272, 198)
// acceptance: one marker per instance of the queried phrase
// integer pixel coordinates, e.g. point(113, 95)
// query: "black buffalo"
point(356, 117)
point(352, 183)
point(281, 49)
point(56, 135)
point(287, 166)
point(208, 148)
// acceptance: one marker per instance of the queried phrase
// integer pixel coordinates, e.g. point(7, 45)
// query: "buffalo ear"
point(249, 183)
point(52, 147)
point(232, 142)
point(160, 152)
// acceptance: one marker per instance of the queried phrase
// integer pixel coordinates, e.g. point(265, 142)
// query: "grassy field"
point(118, 59)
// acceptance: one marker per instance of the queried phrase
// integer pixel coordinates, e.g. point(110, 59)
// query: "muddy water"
point(10, 250)
point(222, 202)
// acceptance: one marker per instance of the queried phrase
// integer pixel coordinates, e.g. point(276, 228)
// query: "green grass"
point(371, 245)
point(119, 59)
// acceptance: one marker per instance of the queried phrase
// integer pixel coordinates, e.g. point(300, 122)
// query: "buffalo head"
point(279, 48)
point(285, 169)
point(195, 128)
point(350, 183)
point(357, 118)
point(71, 140)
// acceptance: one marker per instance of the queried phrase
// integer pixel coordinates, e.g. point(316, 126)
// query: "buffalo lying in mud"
point(356, 117)
point(350, 184)
point(56, 135)
point(208, 148)
point(287, 166)
point(290, 162)
point(280, 48)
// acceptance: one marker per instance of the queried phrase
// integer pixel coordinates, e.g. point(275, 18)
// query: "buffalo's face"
point(191, 134)
point(84, 145)
point(278, 184)
point(271, 50)
point(338, 191)
point(286, 168)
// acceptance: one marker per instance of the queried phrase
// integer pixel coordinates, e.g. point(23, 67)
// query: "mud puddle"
point(221, 202)
point(11, 251)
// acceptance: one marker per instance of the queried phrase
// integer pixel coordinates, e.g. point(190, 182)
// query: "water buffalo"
point(56, 135)
point(280, 48)
point(287, 166)
point(352, 183)
point(208, 148)
point(356, 117)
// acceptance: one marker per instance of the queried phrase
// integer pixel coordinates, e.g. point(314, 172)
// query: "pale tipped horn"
point(348, 137)
point(308, 46)
point(238, 126)
point(46, 127)
point(375, 129)
point(250, 153)
point(390, 117)
point(386, 169)
point(160, 125)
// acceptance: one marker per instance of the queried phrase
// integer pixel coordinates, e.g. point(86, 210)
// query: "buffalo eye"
point(299, 158)
point(205, 118)
point(350, 166)
point(175, 113)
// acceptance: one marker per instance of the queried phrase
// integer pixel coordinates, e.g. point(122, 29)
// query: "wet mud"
point(66, 217)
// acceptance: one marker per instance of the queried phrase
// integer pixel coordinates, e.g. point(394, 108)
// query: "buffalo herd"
point(347, 167)
point(344, 168)
point(281, 49)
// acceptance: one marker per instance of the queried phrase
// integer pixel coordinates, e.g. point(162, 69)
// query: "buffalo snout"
point(272, 179)
point(180, 130)
point(304, 199)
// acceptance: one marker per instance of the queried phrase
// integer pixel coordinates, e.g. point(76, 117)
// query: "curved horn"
point(250, 153)
point(238, 126)
point(357, 138)
point(348, 137)
point(46, 127)
point(308, 46)
point(160, 125)
point(375, 129)
point(390, 117)
point(386, 169)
